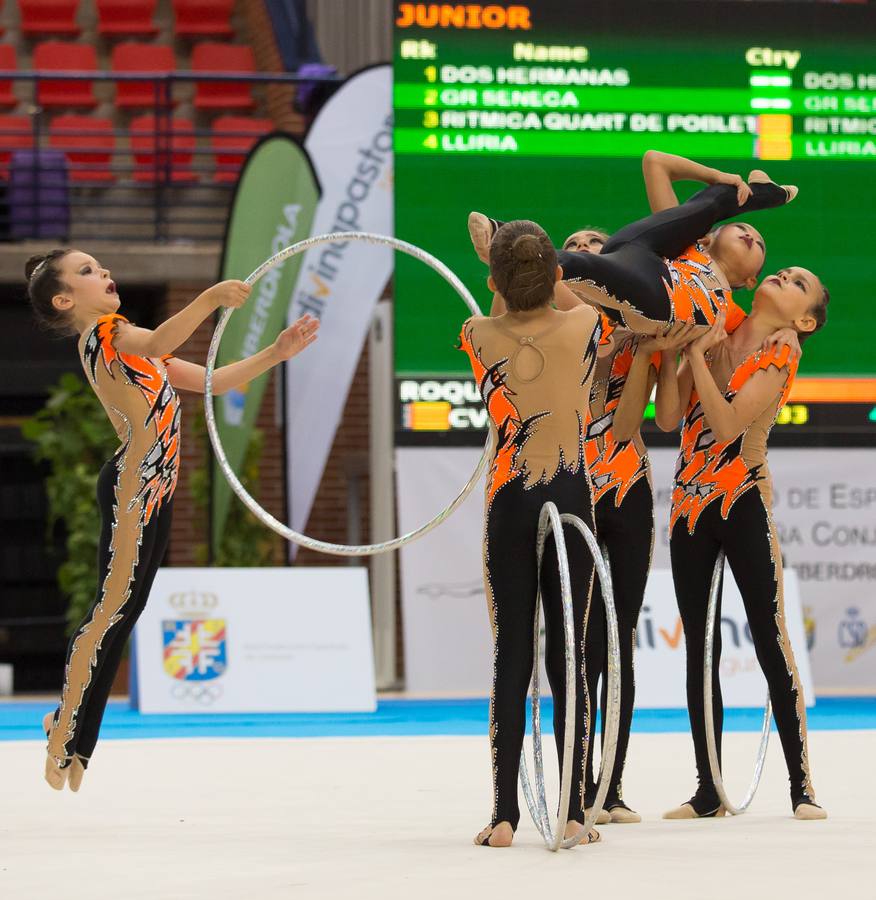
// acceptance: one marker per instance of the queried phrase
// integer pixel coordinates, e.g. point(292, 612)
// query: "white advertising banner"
point(660, 660)
point(256, 640)
point(448, 647)
point(350, 145)
point(825, 514)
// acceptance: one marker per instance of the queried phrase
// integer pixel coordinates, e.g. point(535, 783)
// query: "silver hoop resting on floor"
point(551, 521)
point(262, 515)
point(711, 743)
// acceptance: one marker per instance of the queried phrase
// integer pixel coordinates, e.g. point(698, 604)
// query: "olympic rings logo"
point(202, 694)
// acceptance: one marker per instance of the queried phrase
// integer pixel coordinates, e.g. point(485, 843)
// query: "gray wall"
point(352, 33)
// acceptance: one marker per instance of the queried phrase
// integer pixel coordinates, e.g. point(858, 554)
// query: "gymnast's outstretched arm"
point(189, 376)
point(727, 419)
point(642, 375)
point(661, 170)
point(674, 386)
point(176, 330)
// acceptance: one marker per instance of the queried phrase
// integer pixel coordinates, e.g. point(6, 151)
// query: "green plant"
point(72, 434)
point(245, 541)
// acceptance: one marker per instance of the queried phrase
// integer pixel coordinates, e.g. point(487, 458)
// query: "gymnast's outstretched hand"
point(296, 337)
point(705, 342)
point(743, 189)
point(676, 336)
point(231, 293)
point(784, 337)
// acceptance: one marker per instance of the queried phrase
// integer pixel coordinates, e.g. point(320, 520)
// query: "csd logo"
point(853, 630)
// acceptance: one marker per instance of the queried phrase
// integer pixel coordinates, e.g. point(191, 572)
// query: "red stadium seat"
point(89, 144)
point(147, 146)
point(203, 18)
point(60, 56)
point(43, 17)
point(129, 18)
point(7, 64)
point(132, 57)
point(231, 140)
point(226, 59)
point(16, 133)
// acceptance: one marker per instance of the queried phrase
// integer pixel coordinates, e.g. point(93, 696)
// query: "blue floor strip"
point(20, 721)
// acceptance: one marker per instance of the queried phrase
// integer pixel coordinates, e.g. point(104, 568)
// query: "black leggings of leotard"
point(631, 267)
point(152, 546)
point(511, 568)
point(627, 533)
point(748, 539)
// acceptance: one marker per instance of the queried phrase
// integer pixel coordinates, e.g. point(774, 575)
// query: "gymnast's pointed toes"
point(56, 778)
point(481, 230)
point(77, 773)
point(809, 812)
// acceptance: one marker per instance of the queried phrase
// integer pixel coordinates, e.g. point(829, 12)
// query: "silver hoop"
point(265, 517)
point(711, 742)
point(551, 521)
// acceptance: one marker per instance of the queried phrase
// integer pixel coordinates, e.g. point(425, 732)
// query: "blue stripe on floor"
point(20, 721)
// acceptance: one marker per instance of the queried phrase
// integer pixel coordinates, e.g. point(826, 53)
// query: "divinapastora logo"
point(463, 15)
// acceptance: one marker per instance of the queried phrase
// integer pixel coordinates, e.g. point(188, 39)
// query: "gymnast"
point(135, 376)
point(660, 269)
point(534, 365)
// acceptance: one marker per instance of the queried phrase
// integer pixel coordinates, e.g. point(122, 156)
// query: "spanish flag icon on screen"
point(426, 415)
point(774, 137)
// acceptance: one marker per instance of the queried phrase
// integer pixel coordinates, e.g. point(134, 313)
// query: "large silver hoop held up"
point(265, 517)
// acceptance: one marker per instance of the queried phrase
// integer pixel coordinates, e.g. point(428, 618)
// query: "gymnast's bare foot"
point(56, 777)
point(686, 811)
point(77, 773)
point(809, 812)
point(481, 229)
point(498, 835)
point(574, 828)
point(623, 815)
point(758, 176)
point(602, 819)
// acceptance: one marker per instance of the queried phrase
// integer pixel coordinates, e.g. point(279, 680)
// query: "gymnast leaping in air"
point(135, 377)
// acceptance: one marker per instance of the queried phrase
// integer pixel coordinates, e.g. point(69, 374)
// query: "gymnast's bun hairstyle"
point(43, 274)
point(523, 264)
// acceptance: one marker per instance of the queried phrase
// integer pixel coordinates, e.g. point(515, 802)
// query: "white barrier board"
point(256, 640)
point(448, 647)
point(824, 503)
point(660, 656)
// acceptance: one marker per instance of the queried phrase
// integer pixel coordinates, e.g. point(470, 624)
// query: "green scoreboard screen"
point(543, 111)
